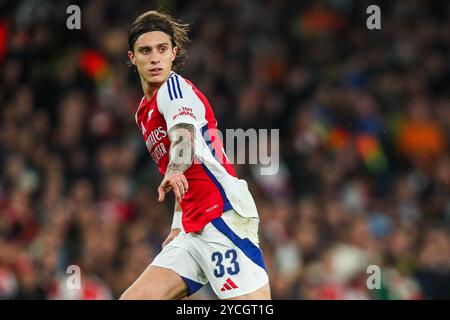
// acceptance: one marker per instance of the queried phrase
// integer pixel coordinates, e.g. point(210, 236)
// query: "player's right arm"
point(183, 112)
point(181, 157)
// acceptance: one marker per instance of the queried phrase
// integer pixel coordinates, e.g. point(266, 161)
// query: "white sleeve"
point(178, 103)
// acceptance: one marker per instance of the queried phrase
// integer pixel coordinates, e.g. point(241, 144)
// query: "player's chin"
point(155, 79)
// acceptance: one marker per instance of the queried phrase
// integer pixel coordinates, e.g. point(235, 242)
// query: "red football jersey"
point(213, 184)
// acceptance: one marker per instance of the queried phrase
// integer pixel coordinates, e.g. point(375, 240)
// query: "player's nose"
point(154, 58)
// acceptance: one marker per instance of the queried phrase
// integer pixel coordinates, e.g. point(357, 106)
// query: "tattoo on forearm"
point(181, 152)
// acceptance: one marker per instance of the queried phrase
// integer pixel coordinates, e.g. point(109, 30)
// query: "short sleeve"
point(178, 103)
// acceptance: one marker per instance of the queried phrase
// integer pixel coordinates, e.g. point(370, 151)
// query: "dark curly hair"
point(158, 21)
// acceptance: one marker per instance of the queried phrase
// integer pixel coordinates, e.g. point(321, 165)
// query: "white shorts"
point(226, 253)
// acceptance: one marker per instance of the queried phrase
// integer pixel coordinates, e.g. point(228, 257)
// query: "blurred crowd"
point(364, 120)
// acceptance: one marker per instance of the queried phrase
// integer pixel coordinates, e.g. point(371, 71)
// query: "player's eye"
point(163, 49)
point(144, 50)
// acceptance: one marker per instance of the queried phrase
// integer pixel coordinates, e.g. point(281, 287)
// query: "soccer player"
point(214, 235)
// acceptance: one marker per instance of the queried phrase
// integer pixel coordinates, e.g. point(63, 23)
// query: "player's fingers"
point(181, 187)
point(165, 185)
point(173, 181)
point(161, 193)
point(161, 196)
point(185, 182)
point(176, 191)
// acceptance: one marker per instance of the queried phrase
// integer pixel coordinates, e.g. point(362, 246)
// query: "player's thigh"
point(259, 294)
point(234, 265)
point(156, 283)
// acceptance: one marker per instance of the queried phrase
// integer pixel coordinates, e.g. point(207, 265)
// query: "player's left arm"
point(177, 226)
point(181, 157)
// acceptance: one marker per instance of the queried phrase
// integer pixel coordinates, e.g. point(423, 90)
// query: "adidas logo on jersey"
point(228, 285)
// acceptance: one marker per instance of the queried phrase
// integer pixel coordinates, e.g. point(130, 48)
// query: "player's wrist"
point(171, 172)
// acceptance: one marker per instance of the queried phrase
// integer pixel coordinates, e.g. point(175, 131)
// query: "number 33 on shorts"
point(220, 269)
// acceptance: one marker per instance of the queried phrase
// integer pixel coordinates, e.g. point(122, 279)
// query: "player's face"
point(153, 56)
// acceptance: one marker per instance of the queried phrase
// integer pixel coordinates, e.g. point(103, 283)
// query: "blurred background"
point(364, 119)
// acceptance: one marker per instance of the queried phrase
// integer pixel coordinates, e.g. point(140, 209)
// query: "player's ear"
point(174, 53)
point(131, 57)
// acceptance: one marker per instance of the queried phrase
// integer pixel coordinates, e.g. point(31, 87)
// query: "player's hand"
point(173, 233)
point(173, 180)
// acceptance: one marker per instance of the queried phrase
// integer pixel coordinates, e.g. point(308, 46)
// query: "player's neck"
point(150, 92)
point(149, 89)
